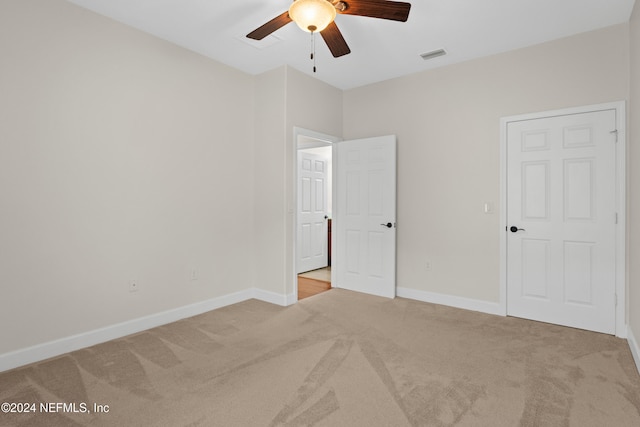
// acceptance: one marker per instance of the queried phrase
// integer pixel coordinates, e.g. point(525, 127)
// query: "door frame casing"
point(620, 246)
point(323, 139)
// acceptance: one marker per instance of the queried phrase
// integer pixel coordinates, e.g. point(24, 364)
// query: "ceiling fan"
point(318, 16)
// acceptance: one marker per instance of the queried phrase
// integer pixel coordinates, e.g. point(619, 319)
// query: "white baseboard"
point(55, 348)
point(633, 345)
point(451, 301)
point(274, 298)
point(76, 342)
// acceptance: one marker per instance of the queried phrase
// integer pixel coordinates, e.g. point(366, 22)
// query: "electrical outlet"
point(194, 274)
point(133, 286)
point(427, 266)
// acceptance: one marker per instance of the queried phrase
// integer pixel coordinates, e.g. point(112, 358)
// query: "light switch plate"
point(488, 207)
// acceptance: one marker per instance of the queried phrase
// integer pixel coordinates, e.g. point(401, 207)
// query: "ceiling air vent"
point(433, 54)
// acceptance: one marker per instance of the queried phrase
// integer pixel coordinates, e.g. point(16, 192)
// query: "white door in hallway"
point(561, 220)
point(312, 232)
point(364, 256)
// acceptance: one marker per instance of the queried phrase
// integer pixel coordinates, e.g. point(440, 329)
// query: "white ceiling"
point(380, 49)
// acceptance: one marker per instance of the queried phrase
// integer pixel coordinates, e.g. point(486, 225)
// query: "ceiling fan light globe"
point(312, 15)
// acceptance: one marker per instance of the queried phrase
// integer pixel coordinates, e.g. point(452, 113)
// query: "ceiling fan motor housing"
point(312, 15)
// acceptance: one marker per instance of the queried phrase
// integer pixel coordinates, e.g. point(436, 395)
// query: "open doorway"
point(314, 207)
point(363, 236)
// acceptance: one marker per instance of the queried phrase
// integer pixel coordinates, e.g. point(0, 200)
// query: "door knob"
point(515, 229)
point(326, 217)
point(388, 225)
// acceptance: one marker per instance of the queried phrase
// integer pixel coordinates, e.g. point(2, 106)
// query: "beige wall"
point(125, 157)
point(285, 98)
point(269, 175)
point(312, 105)
point(634, 175)
point(447, 123)
point(121, 157)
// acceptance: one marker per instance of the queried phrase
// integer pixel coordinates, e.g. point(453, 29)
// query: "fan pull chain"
point(313, 49)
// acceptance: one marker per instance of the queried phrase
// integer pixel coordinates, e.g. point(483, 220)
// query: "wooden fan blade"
point(333, 38)
point(393, 10)
point(271, 26)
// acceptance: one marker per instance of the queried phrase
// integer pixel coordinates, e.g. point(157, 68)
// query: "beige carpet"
point(339, 359)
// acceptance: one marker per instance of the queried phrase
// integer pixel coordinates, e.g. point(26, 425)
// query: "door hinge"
point(615, 132)
point(616, 217)
point(615, 299)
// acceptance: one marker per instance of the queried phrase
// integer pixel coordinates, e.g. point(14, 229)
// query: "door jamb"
point(328, 140)
point(621, 194)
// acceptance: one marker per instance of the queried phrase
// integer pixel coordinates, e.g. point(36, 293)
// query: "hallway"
point(314, 282)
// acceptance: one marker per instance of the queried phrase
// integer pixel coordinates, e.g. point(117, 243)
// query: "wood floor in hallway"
point(314, 282)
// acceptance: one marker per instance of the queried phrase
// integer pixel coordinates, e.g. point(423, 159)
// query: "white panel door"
point(561, 220)
point(312, 241)
point(364, 256)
